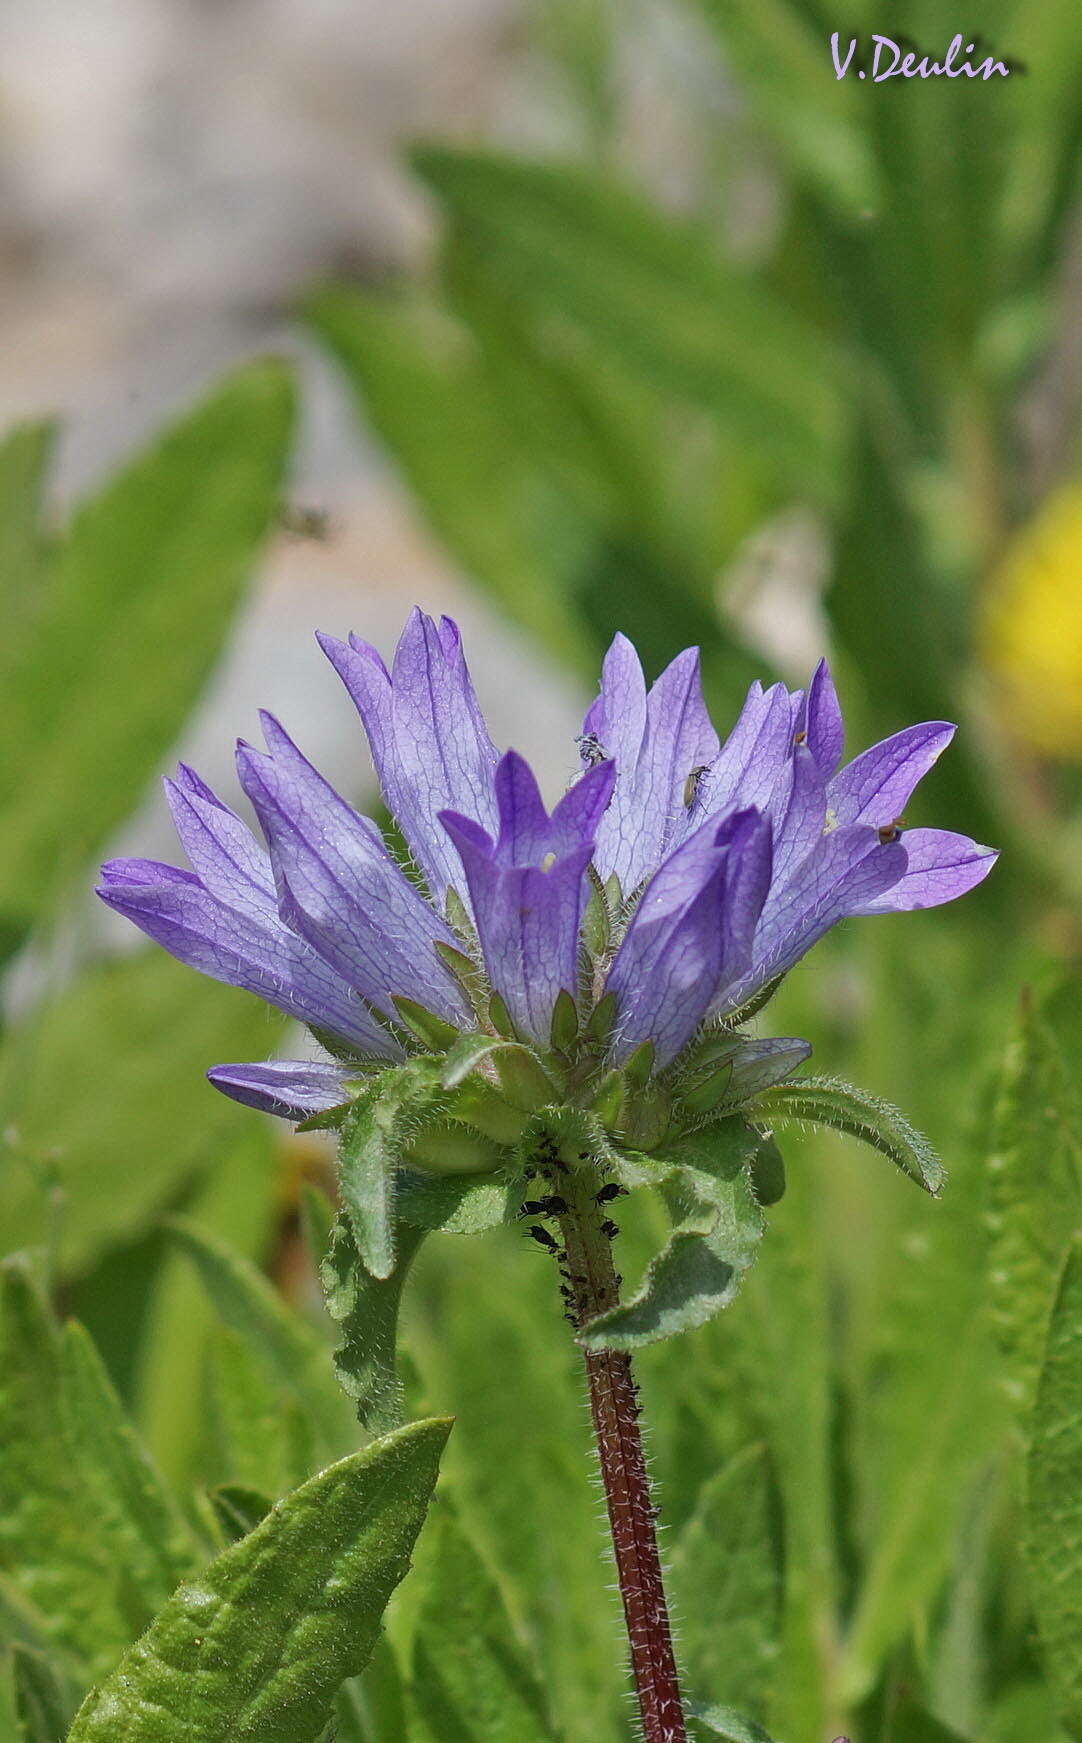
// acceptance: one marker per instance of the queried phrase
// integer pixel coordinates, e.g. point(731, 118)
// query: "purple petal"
point(339, 888)
point(693, 928)
point(528, 923)
point(657, 741)
point(850, 870)
point(821, 720)
point(799, 821)
point(875, 786)
point(294, 1089)
point(941, 867)
point(429, 743)
point(222, 851)
point(752, 760)
point(144, 871)
point(259, 954)
point(526, 831)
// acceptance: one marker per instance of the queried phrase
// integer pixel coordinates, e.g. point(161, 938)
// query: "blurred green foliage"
point(870, 1464)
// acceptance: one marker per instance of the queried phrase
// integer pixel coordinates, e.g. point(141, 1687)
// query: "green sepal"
point(608, 1098)
point(458, 916)
point(602, 1017)
point(827, 1101)
point(645, 1119)
point(341, 1050)
point(565, 1022)
point(327, 1120)
point(521, 1077)
point(430, 1030)
point(702, 1096)
point(500, 1017)
point(751, 1007)
point(597, 919)
point(476, 1103)
point(768, 1174)
point(463, 967)
point(637, 1069)
point(456, 1204)
point(445, 1148)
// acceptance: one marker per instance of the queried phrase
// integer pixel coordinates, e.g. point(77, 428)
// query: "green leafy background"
point(870, 1465)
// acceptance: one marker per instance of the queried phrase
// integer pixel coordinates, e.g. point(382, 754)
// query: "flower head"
point(676, 878)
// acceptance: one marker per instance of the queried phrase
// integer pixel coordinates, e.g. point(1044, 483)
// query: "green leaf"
point(725, 1581)
point(828, 1101)
point(699, 1270)
point(433, 408)
point(652, 295)
point(141, 592)
point(912, 1724)
point(1054, 1498)
point(238, 1509)
point(106, 1113)
point(810, 118)
point(472, 1681)
point(371, 1708)
point(292, 1354)
point(457, 1204)
point(257, 1647)
point(375, 1133)
point(1034, 1176)
point(258, 1424)
point(120, 1489)
point(81, 1509)
point(365, 1308)
point(724, 1722)
point(42, 1706)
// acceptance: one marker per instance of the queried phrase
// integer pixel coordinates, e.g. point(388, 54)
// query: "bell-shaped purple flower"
point(728, 861)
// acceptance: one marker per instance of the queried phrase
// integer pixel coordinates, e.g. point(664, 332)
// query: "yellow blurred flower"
point(1031, 629)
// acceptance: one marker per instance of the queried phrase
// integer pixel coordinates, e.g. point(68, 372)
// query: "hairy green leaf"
point(725, 1581)
point(651, 294)
point(258, 1422)
point(828, 1101)
point(472, 1681)
point(365, 1308)
point(42, 1704)
point(292, 1353)
point(724, 1722)
point(255, 1649)
point(433, 407)
point(699, 1270)
point(1034, 1174)
point(1054, 1499)
point(89, 1536)
point(106, 1114)
point(143, 588)
point(238, 1509)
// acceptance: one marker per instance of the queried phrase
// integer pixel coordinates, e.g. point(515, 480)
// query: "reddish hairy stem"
point(593, 1287)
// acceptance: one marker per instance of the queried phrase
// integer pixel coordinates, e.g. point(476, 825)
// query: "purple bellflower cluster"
point(613, 945)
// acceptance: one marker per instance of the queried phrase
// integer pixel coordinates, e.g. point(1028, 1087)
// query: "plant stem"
point(592, 1286)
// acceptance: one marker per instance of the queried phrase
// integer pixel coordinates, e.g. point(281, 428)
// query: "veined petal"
point(657, 741)
point(752, 760)
point(222, 851)
point(259, 954)
point(760, 1064)
point(851, 868)
point(527, 923)
point(294, 1089)
point(339, 888)
point(942, 866)
point(692, 929)
point(429, 743)
point(821, 721)
point(874, 787)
